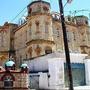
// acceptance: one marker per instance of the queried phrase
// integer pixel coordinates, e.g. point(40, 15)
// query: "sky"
point(9, 9)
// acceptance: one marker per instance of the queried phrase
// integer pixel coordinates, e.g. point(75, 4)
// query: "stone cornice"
point(38, 2)
point(70, 23)
point(37, 14)
point(21, 26)
point(39, 41)
point(4, 51)
point(87, 46)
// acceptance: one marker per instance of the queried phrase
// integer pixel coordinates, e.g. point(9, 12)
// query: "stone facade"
point(41, 34)
point(6, 41)
point(21, 79)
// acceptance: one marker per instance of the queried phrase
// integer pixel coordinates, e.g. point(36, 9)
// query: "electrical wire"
point(72, 12)
point(18, 14)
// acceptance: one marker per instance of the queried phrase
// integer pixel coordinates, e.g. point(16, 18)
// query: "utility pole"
point(68, 64)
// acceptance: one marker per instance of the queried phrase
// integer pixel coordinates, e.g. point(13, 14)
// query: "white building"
point(49, 71)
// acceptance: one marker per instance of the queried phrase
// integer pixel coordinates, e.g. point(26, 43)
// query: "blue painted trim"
point(76, 65)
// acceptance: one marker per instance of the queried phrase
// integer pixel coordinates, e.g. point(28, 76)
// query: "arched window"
point(69, 36)
point(21, 60)
point(37, 26)
point(30, 10)
point(26, 35)
point(38, 8)
point(48, 50)
point(74, 37)
point(30, 52)
point(30, 32)
point(45, 8)
point(58, 32)
point(38, 50)
point(46, 27)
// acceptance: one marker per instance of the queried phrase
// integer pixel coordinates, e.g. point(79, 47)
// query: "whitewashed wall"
point(54, 63)
point(56, 71)
point(87, 71)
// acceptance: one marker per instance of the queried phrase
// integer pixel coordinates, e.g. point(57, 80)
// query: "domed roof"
point(9, 63)
point(24, 65)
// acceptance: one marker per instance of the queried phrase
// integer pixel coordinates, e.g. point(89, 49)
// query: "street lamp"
point(68, 64)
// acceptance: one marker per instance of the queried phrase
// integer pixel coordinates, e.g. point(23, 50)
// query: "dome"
point(24, 65)
point(9, 63)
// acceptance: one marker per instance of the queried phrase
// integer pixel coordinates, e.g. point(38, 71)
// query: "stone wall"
point(1, 82)
point(21, 80)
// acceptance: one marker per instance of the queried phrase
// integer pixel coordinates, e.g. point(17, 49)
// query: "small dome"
point(9, 63)
point(24, 65)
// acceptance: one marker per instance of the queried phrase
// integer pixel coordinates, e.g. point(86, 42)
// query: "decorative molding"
point(38, 50)
point(39, 41)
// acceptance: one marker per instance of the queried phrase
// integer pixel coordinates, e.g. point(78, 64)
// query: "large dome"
point(9, 63)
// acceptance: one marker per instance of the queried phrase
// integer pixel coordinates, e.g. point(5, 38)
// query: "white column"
point(87, 71)
point(56, 71)
point(43, 81)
